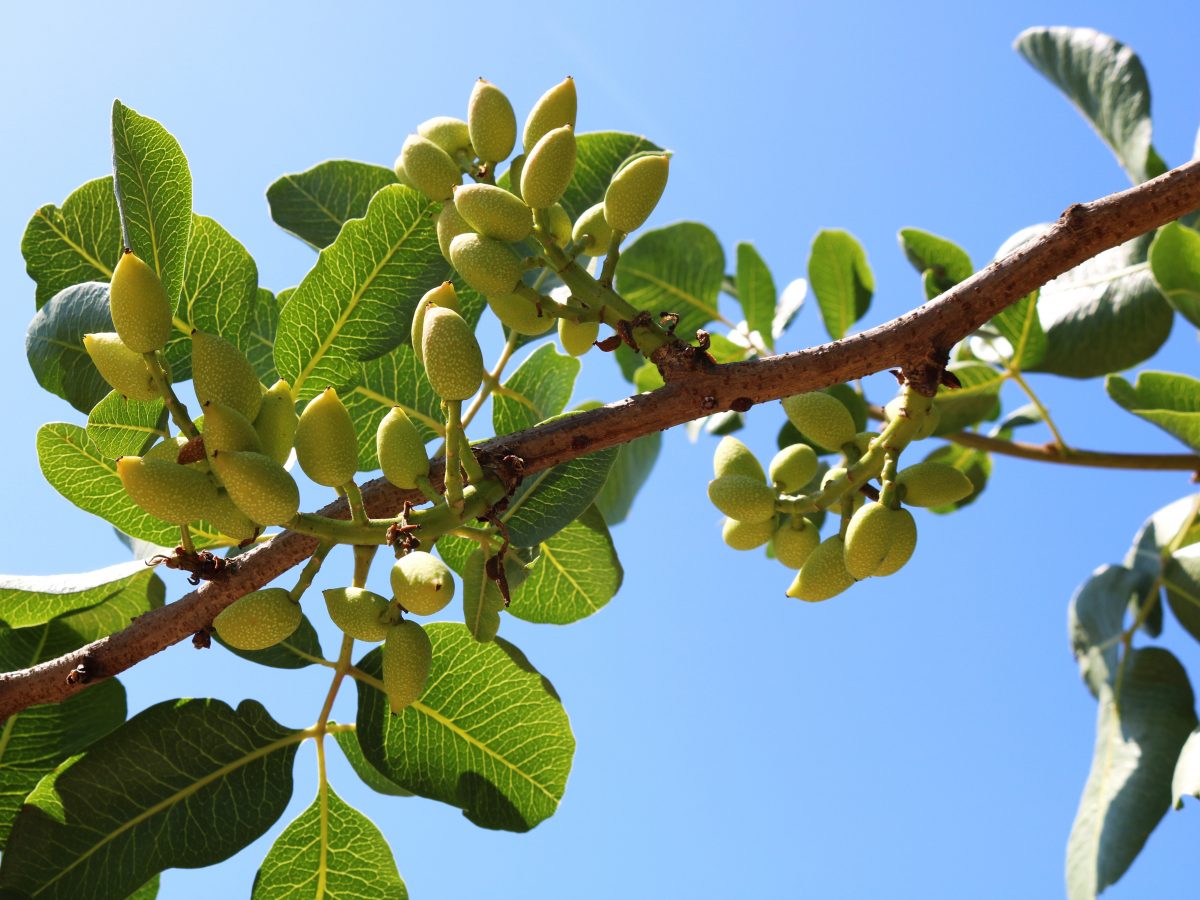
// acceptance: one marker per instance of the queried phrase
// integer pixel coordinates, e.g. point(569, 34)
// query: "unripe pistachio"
point(166, 450)
point(732, 457)
point(555, 108)
point(401, 175)
point(260, 487)
point(141, 310)
point(793, 467)
point(494, 212)
point(933, 484)
point(793, 545)
point(360, 613)
point(577, 338)
point(904, 542)
point(519, 314)
point(124, 370)
point(486, 265)
point(227, 429)
point(592, 231)
point(401, 451)
point(557, 222)
point(514, 174)
point(447, 132)
point(823, 574)
point(742, 498)
point(548, 168)
point(224, 516)
point(422, 583)
point(407, 658)
point(868, 539)
point(832, 475)
point(453, 360)
point(862, 440)
point(259, 620)
point(276, 422)
point(821, 418)
point(443, 295)
point(220, 371)
point(166, 490)
point(449, 225)
point(429, 167)
point(491, 122)
point(326, 442)
point(634, 192)
point(745, 535)
point(928, 415)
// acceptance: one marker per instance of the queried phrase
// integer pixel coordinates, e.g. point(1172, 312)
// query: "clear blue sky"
point(925, 736)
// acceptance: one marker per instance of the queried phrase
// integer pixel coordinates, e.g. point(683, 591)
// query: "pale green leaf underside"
point(756, 292)
point(120, 427)
point(1166, 399)
point(841, 280)
point(1175, 264)
point(34, 599)
point(539, 388)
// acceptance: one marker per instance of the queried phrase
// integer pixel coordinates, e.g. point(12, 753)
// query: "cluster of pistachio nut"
point(488, 229)
point(777, 507)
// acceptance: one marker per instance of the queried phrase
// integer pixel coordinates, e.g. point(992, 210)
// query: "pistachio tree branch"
point(695, 387)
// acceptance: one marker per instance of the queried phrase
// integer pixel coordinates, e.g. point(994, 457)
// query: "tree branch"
point(913, 340)
point(1096, 459)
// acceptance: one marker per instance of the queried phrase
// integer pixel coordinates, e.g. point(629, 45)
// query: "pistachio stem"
point(453, 475)
point(310, 570)
point(162, 381)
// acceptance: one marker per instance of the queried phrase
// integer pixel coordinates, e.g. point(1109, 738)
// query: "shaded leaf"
point(548, 501)
point(371, 776)
point(81, 241)
point(1095, 620)
point(1138, 738)
point(160, 791)
point(482, 600)
point(1175, 264)
point(1166, 399)
point(54, 344)
point(841, 279)
point(314, 204)
point(36, 599)
point(357, 301)
point(575, 574)
point(1106, 82)
point(976, 400)
point(257, 339)
point(154, 192)
point(756, 292)
point(329, 850)
point(630, 470)
point(677, 269)
point(947, 263)
point(120, 427)
point(537, 390)
point(489, 734)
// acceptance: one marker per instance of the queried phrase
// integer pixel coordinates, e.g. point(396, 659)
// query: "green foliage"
point(680, 268)
point(315, 204)
point(841, 279)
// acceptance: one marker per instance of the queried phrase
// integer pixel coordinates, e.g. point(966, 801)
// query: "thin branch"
point(1096, 459)
point(912, 340)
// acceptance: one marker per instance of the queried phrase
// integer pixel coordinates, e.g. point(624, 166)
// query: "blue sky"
point(924, 736)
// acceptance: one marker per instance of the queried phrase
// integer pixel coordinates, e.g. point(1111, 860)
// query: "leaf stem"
point(454, 437)
point(1016, 376)
point(310, 570)
point(492, 378)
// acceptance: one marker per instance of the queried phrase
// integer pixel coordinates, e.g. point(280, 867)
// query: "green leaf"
point(975, 464)
point(629, 472)
point(482, 600)
point(976, 400)
point(1175, 264)
point(1104, 315)
point(371, 776)
point(147, 891)
point(396, 379)
point(1105, 81)
point(76, 468)
point(1129, 787)
point(677, 269)
point(1181, 579)
point(357, 301)
point(1021, 329)
point(257, 340)
point(329, 850)
point(1145, 556)
point(120, 427)
point(841, 279)
point(220, 290)
point(1095, 620)
point(1186, 779)
point(489, 735)
point(314, 204)
point(36, 599)
point(154, 192)
point(756, 292)
point(537, 390)
point(598, 155)
point(576, 573)
point(54, 344)
point(1166, 399)
point(301, 648)
point(947, 263)
point(185, 783)
point(77, 243)
point(647, 378)
point(548, 501)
